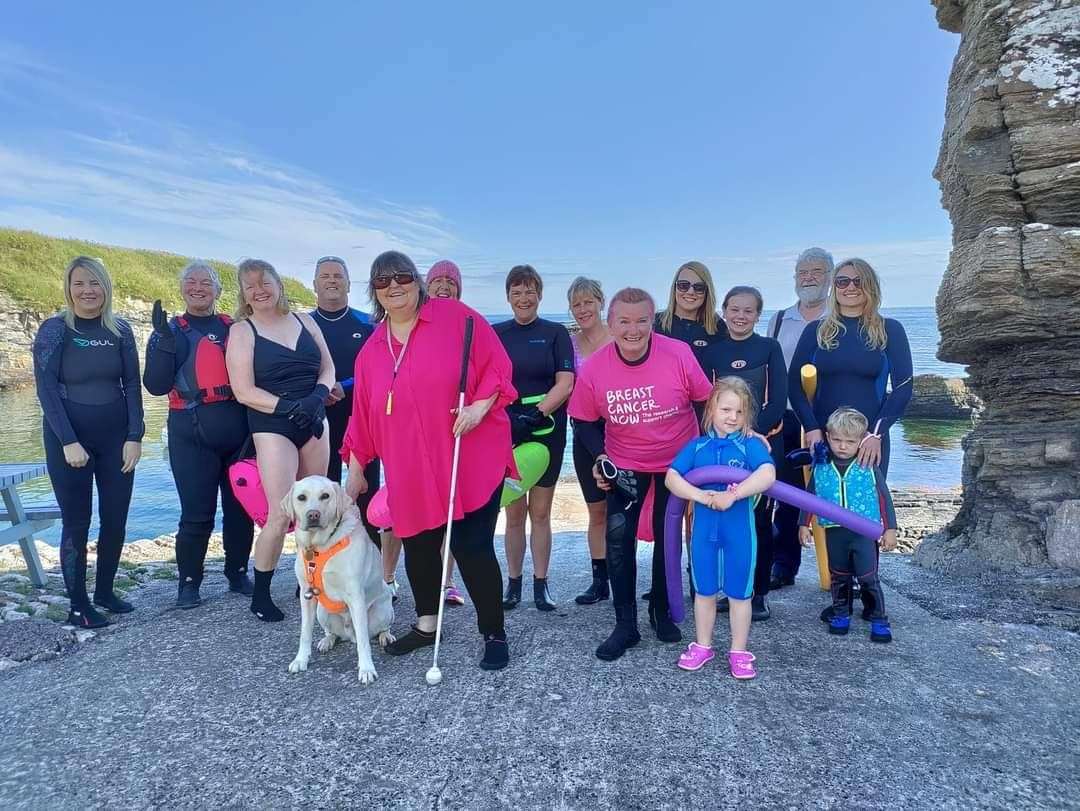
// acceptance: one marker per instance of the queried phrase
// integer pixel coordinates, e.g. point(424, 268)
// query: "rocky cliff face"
point(19, 325)
point(1009, 305)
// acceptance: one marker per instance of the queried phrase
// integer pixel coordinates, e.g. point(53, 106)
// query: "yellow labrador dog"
point(340, 574)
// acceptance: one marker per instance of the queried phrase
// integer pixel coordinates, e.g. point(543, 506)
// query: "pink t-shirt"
point(415, 440)
point(646, 408)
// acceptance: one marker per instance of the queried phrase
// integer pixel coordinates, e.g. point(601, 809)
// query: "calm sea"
point(924, 452)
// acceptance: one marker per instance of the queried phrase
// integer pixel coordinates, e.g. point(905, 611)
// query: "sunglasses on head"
point(684, 286)
point(841, 282)
point(382, 282)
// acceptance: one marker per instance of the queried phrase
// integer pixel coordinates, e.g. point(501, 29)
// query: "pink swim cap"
point(445, 269)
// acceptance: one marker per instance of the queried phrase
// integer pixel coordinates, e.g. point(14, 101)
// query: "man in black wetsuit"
point(345, 330)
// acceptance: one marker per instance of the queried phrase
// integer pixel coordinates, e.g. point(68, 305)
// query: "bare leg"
point(391, 553)
point(515, 535)
point(705, 619)
point(449, 571)
point(278, 463)
point(740, 622)
point(540, 499)
point(597, 527)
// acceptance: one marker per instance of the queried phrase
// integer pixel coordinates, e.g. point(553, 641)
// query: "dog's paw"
point(385, 638)
point(326, 643)
point(298, 665)
point(368, 676)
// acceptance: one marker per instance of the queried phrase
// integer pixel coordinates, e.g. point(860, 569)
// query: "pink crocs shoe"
point(695, 657)
point(452, 596)
point(742, 664)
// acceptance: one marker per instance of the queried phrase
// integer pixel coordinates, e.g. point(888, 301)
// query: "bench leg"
point(17, 515)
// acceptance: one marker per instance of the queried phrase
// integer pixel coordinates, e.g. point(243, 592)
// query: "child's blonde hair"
point(847, 422)
point(738, 387)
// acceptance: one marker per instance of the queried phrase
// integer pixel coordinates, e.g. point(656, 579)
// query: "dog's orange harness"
point(314, 563)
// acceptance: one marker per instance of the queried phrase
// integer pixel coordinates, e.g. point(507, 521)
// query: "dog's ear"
point(341, 500)
point(287, 504)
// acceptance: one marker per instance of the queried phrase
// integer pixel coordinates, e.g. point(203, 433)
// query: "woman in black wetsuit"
point(543, 360)
point(691, 315)
point(281, 370)
point(87, 372)
point(185, 358)
point(760, 362)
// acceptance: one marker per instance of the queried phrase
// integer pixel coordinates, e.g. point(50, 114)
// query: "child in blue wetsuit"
point(723, 543)
point(837, 477)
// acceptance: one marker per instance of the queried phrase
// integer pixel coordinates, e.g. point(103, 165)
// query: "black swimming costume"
point(288, 373)
point(538, 351)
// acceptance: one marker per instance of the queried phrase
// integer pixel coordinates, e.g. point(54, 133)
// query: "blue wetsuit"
point(856, 376)
point(88, 384)
point(723, 546)
point(204, 438)
point(345, 332)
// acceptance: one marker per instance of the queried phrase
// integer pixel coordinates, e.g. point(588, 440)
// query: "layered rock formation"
point(1009, 305)
point(942, 398)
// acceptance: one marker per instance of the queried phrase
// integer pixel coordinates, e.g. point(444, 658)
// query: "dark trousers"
point(337, 416)
point(203, 441)
point(853, 557)
point(472, 541)
point(763, 530)
point(102, 431)
point(787, 553)
point(622, 522)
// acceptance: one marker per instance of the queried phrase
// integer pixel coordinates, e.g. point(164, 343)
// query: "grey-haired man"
point(813, 275)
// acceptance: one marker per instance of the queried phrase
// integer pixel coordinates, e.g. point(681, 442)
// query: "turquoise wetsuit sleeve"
point(129, 357)
point(48, 349)
point(803, 353)
point(772, 411)
point(888, 512)
point(899, 370)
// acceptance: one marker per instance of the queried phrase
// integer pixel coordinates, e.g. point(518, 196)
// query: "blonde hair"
point(96, 268)
point(707, 317)
point(738, 387)
point(847, 422)
point(581, 286)
point(871, 324)
point(263, 268)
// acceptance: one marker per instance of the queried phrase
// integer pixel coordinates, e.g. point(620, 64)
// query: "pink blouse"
point(415, 441)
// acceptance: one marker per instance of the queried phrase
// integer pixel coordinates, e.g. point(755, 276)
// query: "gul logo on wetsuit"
point(85, 342)
point(635, 405)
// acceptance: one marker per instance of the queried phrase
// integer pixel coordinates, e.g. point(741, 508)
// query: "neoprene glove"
point(166, 339)
point(523, 422)
point(624, 481)
point(311, 409)
point(286, 407)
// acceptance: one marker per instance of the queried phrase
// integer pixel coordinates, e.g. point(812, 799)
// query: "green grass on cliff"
point(32, 270)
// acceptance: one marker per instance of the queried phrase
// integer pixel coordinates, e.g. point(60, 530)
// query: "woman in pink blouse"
point(633, 409)
point(404, 412)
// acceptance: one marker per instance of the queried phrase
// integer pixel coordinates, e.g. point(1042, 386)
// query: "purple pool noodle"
point(714, 474)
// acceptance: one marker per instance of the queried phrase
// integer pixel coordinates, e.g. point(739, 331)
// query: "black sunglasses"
point(683, 286)
point(382, 282)
point(842, 282)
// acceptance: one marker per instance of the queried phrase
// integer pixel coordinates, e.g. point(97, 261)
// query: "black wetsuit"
point(692, 332)
point(284, 372)
point(538, 351)
point(204, 439)
point(345, 332)
point(760, 362)
point(88, 384)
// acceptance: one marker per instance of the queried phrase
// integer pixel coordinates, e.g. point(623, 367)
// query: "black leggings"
point(473, 544)
point(853, 557)
point(202, 443)
point(622, 523)
point(337, 416)
point(102, 431)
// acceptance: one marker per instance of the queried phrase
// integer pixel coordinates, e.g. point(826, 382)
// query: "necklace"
point(397, 363)
point(328, 319)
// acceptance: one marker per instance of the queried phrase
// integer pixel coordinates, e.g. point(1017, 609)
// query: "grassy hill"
point(32, 270)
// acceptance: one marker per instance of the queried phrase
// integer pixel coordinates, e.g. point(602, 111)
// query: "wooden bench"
point(25, 521)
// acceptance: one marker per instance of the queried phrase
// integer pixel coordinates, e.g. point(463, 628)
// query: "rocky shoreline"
point(32, 625)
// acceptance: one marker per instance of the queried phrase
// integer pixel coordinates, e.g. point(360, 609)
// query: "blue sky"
point(615, 140)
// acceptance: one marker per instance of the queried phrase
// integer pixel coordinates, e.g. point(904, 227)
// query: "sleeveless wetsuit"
point(284, 372)
point(203, 440)
point(88, 384)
